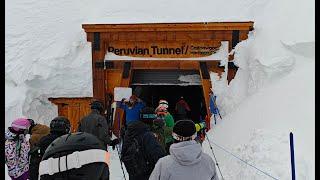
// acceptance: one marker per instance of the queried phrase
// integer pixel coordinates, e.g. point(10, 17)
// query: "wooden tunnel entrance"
point(124, 55)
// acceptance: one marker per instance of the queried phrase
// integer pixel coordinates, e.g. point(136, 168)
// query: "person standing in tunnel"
point(162, 113)
point(132, 108)
point(182, 109)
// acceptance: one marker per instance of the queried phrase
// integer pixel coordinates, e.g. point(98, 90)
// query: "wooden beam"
point(61, 100)
point(158, 27)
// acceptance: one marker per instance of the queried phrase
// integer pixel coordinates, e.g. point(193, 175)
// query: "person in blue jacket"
point(213, 107)
point(132, 108)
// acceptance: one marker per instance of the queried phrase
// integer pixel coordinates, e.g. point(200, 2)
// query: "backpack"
point(158, 128)
point(134, 160)
point(35, 159)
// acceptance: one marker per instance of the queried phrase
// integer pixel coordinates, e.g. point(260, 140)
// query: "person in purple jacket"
point(132, 108)
point(17, 148)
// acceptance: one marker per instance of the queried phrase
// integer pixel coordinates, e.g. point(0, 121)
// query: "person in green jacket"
point(162, 111)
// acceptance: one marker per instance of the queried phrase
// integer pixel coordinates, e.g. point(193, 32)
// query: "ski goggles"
point(182, 138)
point(148, 116)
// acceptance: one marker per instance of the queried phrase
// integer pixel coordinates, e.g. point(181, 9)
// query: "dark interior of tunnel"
point(193, 95)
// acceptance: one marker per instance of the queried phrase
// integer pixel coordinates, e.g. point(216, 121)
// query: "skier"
point(162, 112)
point(155, 123)
point(132, 108)
point(95, 123)
point(140, 150)
point(75, 156)
point(186, 161)
point(213, 107)
point(58, 126)
point(37, 131)
point(201, 124)
point(182, 109)
point(17, 148)
point(158, 129)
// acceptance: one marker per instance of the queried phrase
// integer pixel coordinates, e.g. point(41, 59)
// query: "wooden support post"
point(98, 74)
point(206, 84)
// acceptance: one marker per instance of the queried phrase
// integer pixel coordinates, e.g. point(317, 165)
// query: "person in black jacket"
point(58, 126)
point(75, 156)
point(95, 123)
point(140, 151)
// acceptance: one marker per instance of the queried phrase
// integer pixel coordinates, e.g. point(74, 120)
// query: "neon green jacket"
point(169, 127)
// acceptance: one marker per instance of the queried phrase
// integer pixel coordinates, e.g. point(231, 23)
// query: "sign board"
point(165, 49)
point(122, 92)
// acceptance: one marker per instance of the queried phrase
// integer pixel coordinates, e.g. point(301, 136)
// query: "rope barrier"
point(241, 159)
point(118, 149)
point(215, 158)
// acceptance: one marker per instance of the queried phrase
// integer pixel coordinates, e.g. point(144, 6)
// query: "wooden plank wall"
point(73, 109)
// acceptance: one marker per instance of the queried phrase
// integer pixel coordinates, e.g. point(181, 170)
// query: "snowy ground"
point(271, 95)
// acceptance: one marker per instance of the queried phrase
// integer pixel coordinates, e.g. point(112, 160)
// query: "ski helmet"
point(97, 105)
point(60, 124)
point(75, 156)
point(20, 125)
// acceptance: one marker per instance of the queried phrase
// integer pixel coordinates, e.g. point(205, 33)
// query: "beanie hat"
point(184, 130)
point(20, 124)
point(163, 103)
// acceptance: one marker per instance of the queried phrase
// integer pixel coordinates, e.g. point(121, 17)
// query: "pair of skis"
point(216, 107)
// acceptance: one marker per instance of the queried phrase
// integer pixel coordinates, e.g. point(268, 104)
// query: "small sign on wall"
point(122, 92)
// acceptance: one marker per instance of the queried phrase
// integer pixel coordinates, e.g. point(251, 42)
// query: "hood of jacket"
point(136, 128)
point(9, 135)
point(40, 129)
point(186, 152)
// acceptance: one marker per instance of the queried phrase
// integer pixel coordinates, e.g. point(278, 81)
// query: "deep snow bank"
point(271, 95)
point(261, 124)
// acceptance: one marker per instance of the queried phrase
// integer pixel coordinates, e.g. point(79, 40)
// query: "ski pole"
point(118, 149)
point(219, 113)
point(292, 157)
point(214, 156)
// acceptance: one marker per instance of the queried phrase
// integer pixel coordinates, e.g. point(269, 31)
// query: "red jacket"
point(182, 106)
